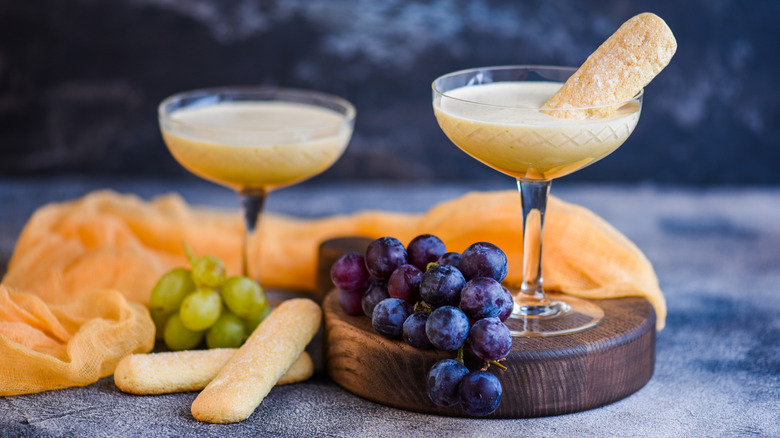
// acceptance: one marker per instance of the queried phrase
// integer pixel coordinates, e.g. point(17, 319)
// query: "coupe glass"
point(255, 139)
point(494, 114)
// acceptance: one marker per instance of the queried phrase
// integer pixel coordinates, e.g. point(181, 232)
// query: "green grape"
point(208, 271)
point(244, 297)
point(178, 337)
point(250, 324)
point(200, 309)
point(227, 332)
point(171, 289)
point(159, 318)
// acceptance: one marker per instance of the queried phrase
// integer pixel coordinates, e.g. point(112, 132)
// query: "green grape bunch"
point(190, 305)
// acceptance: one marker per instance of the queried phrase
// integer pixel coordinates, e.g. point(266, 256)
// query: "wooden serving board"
point(544, 376)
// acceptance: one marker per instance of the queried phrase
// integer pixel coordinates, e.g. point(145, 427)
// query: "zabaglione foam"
point(500, 124)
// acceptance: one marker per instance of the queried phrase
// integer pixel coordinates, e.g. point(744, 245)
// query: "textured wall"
point(80, 79)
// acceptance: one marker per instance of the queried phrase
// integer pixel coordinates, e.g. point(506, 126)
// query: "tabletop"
point(716, 252)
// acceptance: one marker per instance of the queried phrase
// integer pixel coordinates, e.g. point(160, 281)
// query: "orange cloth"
point(73, 300)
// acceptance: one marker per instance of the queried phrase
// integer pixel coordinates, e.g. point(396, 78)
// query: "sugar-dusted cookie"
point(624, 64)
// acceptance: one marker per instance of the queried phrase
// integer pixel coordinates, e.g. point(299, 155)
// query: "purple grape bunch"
point(435, 299)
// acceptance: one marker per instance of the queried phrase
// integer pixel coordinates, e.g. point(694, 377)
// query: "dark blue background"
point(80, 79)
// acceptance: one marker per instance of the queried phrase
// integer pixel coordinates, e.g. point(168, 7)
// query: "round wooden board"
point(545, 376)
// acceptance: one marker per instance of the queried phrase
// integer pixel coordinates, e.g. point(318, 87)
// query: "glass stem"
point(533, 198)
point(252, 201)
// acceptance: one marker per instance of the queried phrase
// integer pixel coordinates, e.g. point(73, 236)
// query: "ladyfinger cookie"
point(267, 354)
point(624, 64)
point(192, 370)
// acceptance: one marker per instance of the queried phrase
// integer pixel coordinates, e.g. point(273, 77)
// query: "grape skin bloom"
point(490, 339)
point(443, 381)
point(389, 316)
point(424, 249)
point(450, 258)
point(385, 255)
point(375, 293)
point(482, 297)
point(404, 283)
point(447, 328)
point(483, 259)
point(441, 286)
point(479, 393)
point(509, 305)
point(414, 330)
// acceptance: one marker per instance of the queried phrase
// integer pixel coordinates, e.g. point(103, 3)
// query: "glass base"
point(559, 315)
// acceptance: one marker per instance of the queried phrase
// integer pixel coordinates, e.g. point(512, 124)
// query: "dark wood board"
point(544, 376)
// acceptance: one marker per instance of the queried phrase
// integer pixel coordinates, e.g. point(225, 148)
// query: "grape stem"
point(459, 357)
point(421, 307)
point(496, 363)
point(188, 250)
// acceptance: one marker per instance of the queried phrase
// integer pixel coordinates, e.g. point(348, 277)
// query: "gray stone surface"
point(716, 252)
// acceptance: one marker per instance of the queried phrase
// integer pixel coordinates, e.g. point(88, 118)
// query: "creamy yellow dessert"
point(256, 144)
point(500, 125)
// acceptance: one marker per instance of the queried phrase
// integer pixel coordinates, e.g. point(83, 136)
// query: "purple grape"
point(443, 381)
point(383, 256)
point(483, 259)
point(441, 286)
point(424, 249)
point(447, 328)
point(479, 393)
point(414, 330)
point(351, 302)
point(490, 339)
point(451, 259)
point(404, 283)
point(482, 297)
point(389, 316)
point(375, 293)
point(509, 305)
point(349, 273)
